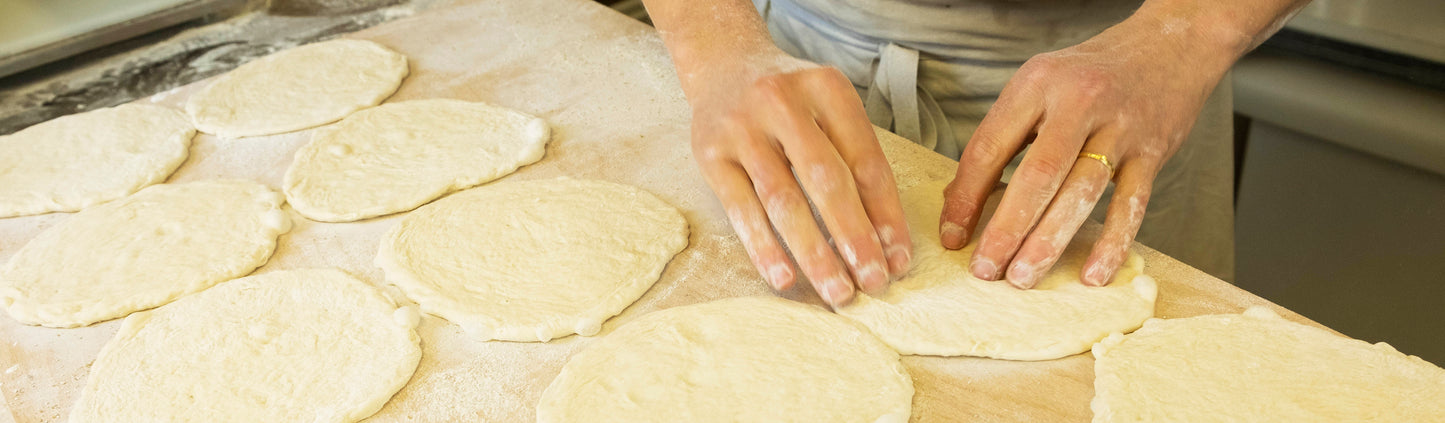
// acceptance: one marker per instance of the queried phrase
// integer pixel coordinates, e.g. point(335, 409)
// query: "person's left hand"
point(1130, 94)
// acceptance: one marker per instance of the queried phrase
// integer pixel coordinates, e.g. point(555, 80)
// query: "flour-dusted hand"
point(771, 134)
point(794, 133)
point(1115, 107)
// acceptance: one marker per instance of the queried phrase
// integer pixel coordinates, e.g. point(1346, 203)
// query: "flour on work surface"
point(939, 308)
point(533, 260)
point(749, 359)
point(76, 161)
point(142, 251)
point(300, 88)
point(1258, 367)
point(398, 156)
point(314, 345)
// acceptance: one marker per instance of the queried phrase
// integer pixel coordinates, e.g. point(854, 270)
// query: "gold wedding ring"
point(1101, 158)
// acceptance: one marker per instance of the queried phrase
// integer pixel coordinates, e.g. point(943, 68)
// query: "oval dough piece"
point(142, 251)
point(1258, 367)
point(751, 359)
point(75, 161)
point(300, 88)
point(939, 308)
point(533, 260)
point(311, 345)
point(398, 156)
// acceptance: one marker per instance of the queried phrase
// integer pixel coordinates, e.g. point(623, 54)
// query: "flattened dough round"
point(939, 308)
point(533, 260)
point(1258, 367)
point(312, 345)
point(76, 161)
point(750, 359)
point(300, 88)
point(398, 156)
point(142, 251)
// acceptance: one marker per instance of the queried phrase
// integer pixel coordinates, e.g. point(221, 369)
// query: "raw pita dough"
point(398, 156)
point(300, 88)
point(939, 308)
point(1258, 367)
point(76, 161)
point(533, 260)
point(142, 251)
point(751, 359)
point(310, 345)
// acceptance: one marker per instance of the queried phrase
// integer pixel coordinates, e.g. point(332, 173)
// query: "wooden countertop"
point(605, 84)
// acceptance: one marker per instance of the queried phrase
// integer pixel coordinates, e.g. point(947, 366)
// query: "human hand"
point(772, 133)
point(1130, 94)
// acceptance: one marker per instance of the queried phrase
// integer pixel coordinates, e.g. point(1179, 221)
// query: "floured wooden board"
point(605, 84)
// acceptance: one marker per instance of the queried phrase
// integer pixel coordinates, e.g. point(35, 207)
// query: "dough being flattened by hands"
point(533, 260)
point(751, 359)
point(311, 345)
point(142, 251)
point(1258, 367)
point(939, 308)
point(75, 161)
point(300, 88)
point(398, 156)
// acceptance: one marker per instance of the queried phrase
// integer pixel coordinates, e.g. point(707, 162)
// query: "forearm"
point(1216, 32)
point(709, 39)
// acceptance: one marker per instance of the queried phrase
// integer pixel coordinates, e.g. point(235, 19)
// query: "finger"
point(840, 114)
point(787, 208)
point(829, 184)
point(1081, 191)
point(1030, 191)
point(750, 221)
point(999, 137)
point(1121, 223)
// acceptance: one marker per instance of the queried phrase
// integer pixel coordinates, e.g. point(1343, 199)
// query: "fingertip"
point(1097, 274)
point(983, 268)
point(836, 291)
point(1022, 276)
point(872, 279)
point(899, 258)
point(953, 235)
point(780, 276)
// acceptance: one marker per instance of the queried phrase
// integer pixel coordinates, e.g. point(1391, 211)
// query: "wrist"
point(1205, 43)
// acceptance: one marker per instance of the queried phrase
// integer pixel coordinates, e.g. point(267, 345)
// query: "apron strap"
point(895, 100)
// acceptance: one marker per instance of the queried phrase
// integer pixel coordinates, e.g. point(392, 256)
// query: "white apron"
point(930, 69)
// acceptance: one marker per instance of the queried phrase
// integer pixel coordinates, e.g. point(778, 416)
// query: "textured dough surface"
point(749, 359)
point(312, 345)
point(939, 308)
point(398, 156)
point(300, 88)
point(75, 161)
point(533, 260)
point(142, 251)
point(1258, 367)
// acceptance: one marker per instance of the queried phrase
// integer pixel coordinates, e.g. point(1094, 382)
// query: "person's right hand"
point(771, 134)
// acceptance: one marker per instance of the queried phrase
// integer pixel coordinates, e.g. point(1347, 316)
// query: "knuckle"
point(1042, 172)
point(986, 145)
point(777, 199)
point(871, 173)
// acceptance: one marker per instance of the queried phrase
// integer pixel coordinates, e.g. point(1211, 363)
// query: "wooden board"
point(605, 84)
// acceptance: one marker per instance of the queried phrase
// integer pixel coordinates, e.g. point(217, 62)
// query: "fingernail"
point(1097, 275)
point(899, 257)
point(953, 236)
point(983, 268)
point(781, 277)
point(836, 291)
point(1021, 276)
point(873, 279)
